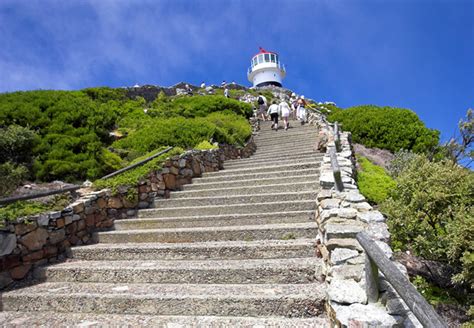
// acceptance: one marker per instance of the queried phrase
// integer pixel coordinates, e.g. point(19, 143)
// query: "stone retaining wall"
point(47, 238)
point(340, 216)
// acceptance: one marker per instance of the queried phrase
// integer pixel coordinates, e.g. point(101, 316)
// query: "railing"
point(8, 200)
point(137, 164)
point(338, 184)
point(279, 65)
point(376, 260)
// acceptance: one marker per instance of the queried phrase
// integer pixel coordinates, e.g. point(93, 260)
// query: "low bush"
point(373, 181)
point(12, 176)
point(387, 128)
point(205, 145)
point(430, 212)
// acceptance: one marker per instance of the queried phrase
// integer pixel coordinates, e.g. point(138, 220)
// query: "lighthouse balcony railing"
point(279, 65)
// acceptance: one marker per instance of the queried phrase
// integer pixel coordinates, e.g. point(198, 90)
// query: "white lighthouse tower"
point(266, 69)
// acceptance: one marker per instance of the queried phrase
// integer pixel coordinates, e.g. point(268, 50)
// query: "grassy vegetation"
point(374, 182)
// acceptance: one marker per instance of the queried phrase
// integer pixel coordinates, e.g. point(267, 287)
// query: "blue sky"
point(416, 54)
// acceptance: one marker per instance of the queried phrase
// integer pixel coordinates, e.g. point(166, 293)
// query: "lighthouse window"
point(260, 59)
point(272, 58)
point(254, 61)
point(267, 57)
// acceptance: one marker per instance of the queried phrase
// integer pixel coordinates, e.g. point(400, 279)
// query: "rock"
point(76, 217)
point(330, 203)
point(363, 206)
point(20, 272)
point(182, 163)
point(326, 180)
point(170, 181)
point(346, 292)
point(348, 271)
point(323, 194)
point(115, 202)
point(354, 197)
point(347, 213)
point(57, 236)
point(77, 207)
point(370, 315)
point(33, 256)
point(23, 228)
point(7, 243)
point(87, 184)
point(371, 216)
point(378, 231)
point(34, 240)
point(43, 220)
point(60, 222)
point(343, 243)
point(54, 215)
point(342, 230)
point(174, 170)
point(340, 255)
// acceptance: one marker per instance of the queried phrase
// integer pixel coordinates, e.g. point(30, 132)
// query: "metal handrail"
point(375, 260)
point(8, 200)
point(136, 164)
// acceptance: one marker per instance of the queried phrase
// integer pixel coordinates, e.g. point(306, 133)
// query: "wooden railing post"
point(337, 139)
point(371, 280)
point(336, 170)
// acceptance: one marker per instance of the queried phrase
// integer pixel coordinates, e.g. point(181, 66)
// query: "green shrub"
point(11, 177)
point(199, 106)
point(132, 177)
point(387, 128)
point(430, 212)
point(205, 145)
point(16, 144)
point(374, 183)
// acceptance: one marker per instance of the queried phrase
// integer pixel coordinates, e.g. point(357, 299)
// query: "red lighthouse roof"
point(263, 51)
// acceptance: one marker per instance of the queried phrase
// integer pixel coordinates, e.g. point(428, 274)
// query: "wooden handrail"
point(377, 260)
point(136, 164)
point(337, 139)
point(8, 200)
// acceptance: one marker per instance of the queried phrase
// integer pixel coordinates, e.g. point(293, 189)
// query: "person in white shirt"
point(273, 112)
point(284, 110)
point(262, 106)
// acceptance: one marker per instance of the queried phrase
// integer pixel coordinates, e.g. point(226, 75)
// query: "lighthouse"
point(266, 69)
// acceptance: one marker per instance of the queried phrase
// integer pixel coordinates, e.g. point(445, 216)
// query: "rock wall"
point(340, 216)
point(47, 238)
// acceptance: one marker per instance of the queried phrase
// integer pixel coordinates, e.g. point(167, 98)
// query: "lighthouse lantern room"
point(266, 69)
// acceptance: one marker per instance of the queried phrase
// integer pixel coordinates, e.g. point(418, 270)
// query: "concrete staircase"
point(236, 248)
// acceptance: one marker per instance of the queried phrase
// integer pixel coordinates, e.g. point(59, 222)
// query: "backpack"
point(260, 101)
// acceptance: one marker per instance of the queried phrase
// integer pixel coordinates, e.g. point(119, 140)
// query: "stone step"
point(308, 153)
point(257, 249)
point(270, 168)
point(236, 199)
point(56, 319)
point(258, 189)
point(258, 300)
point(256, 162)
point(283, 180)
point(269, 162)
point(276, 148)
point(302, 140)
point(256, 271)
point(269, 136)
point(214, 220)
point(183, 235)
point(300, 205)
point(258, 175)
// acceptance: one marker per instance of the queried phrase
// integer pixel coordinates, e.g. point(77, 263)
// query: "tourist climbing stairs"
point(236, 248)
